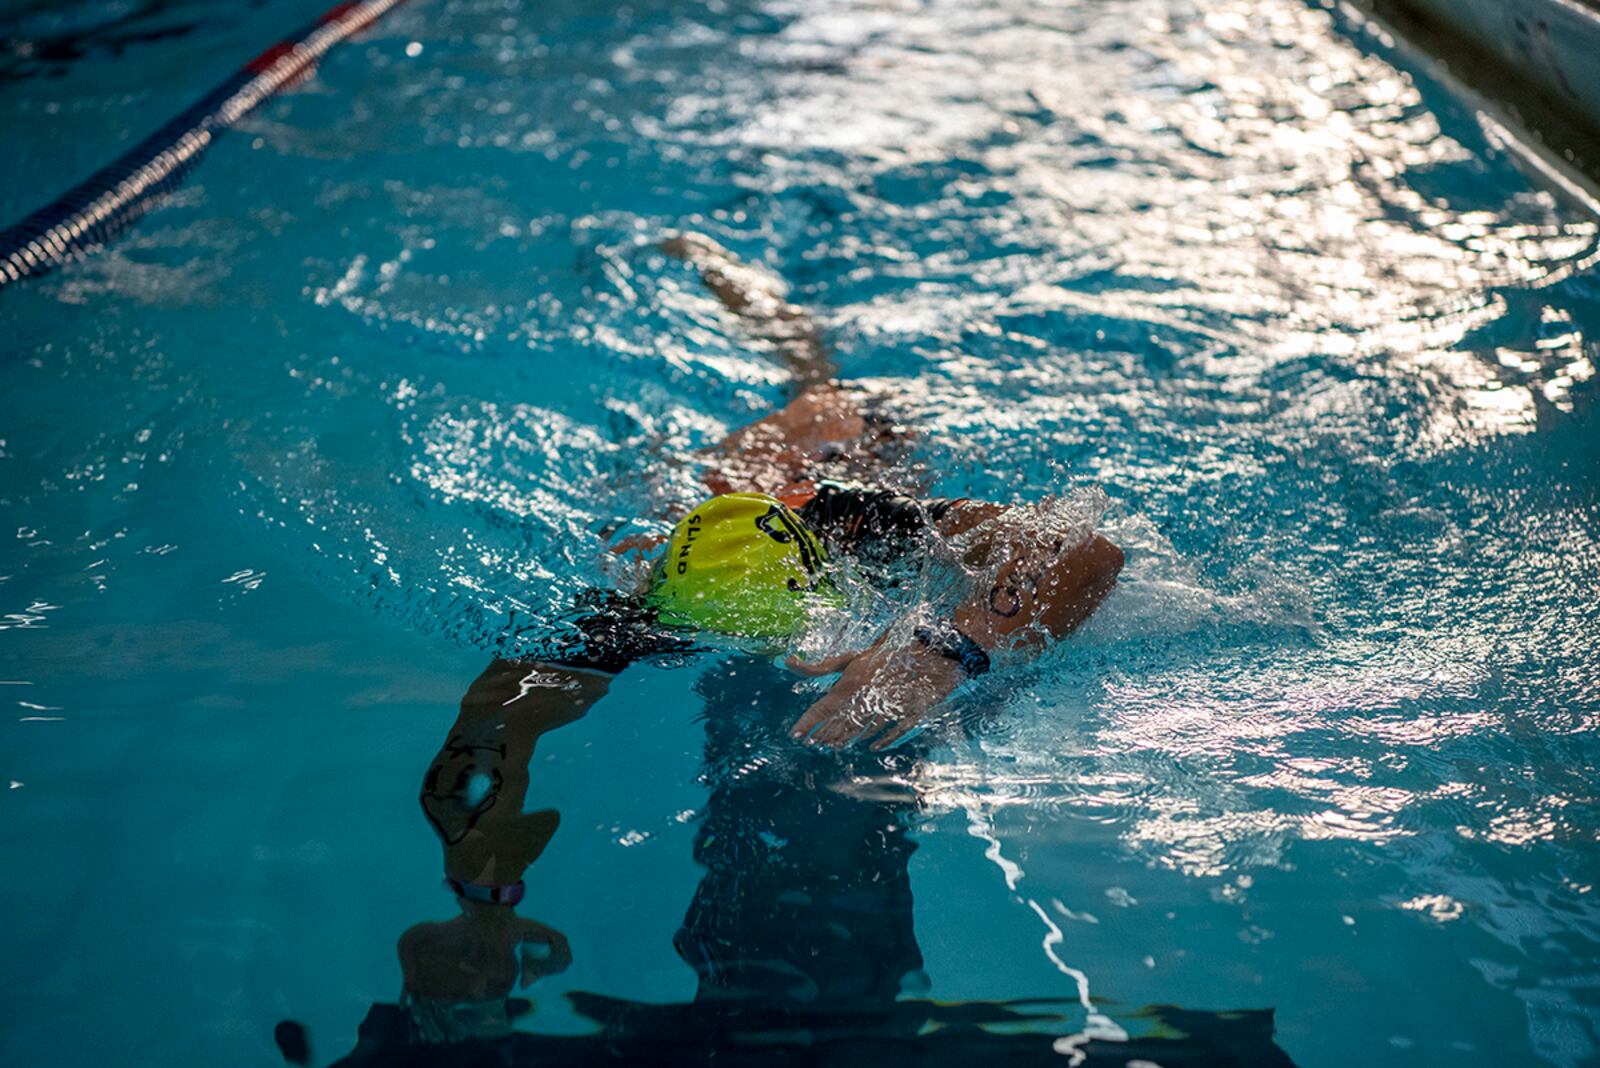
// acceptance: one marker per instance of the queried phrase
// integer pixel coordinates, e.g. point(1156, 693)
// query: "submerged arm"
point(474, 790)
point(472, 796)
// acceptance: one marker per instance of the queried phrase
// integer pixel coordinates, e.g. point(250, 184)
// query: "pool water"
point(280, 470)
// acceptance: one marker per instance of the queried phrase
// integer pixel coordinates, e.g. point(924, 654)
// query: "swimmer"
point(789, 496)
point(804, 486)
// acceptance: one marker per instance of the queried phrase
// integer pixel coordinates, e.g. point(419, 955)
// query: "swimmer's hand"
point(638, 543)
point(881, 694)
point(1040, 591)
point(541, 950)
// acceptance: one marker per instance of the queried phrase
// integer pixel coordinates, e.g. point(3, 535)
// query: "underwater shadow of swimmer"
point(1019, 1033)
point(801, 935)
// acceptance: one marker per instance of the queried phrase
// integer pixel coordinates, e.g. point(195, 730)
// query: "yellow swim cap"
point(741, 563)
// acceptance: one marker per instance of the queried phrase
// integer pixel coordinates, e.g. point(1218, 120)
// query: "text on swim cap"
point(688, 536)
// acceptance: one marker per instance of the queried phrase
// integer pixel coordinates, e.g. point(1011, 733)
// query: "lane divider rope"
point(97, 209)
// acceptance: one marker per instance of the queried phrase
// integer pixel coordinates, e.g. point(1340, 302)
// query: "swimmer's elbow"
point(1107, 558)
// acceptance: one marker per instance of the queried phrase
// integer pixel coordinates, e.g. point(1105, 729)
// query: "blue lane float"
point(97, 209)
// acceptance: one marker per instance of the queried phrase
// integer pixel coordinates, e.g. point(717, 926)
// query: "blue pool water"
point(278, 469)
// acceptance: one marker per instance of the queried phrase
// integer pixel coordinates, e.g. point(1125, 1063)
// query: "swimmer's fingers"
point(868, 709)
point(637, 543)
point(556, 955)
point(819, 713)
point(859, 722)
point(902, 727)
point(828, 665)
point(842, 713)
point(887, 689)
point(911, 705)
point(849, 726)
point(693, 247)
point(827, 720)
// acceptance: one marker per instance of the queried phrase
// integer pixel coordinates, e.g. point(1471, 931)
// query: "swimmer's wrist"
point(949, 641)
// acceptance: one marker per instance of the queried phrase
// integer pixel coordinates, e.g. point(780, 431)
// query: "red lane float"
point(96, 210)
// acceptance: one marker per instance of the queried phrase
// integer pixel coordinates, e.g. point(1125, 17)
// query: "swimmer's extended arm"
point(474, 790)
point(472, 796)
point(1039, 592)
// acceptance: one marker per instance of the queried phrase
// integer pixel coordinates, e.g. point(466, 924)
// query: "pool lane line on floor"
point(103, 205)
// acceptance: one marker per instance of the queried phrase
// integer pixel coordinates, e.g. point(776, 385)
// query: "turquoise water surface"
point(281, 468)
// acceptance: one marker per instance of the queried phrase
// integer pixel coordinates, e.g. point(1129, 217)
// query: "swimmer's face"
point(462, 785)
